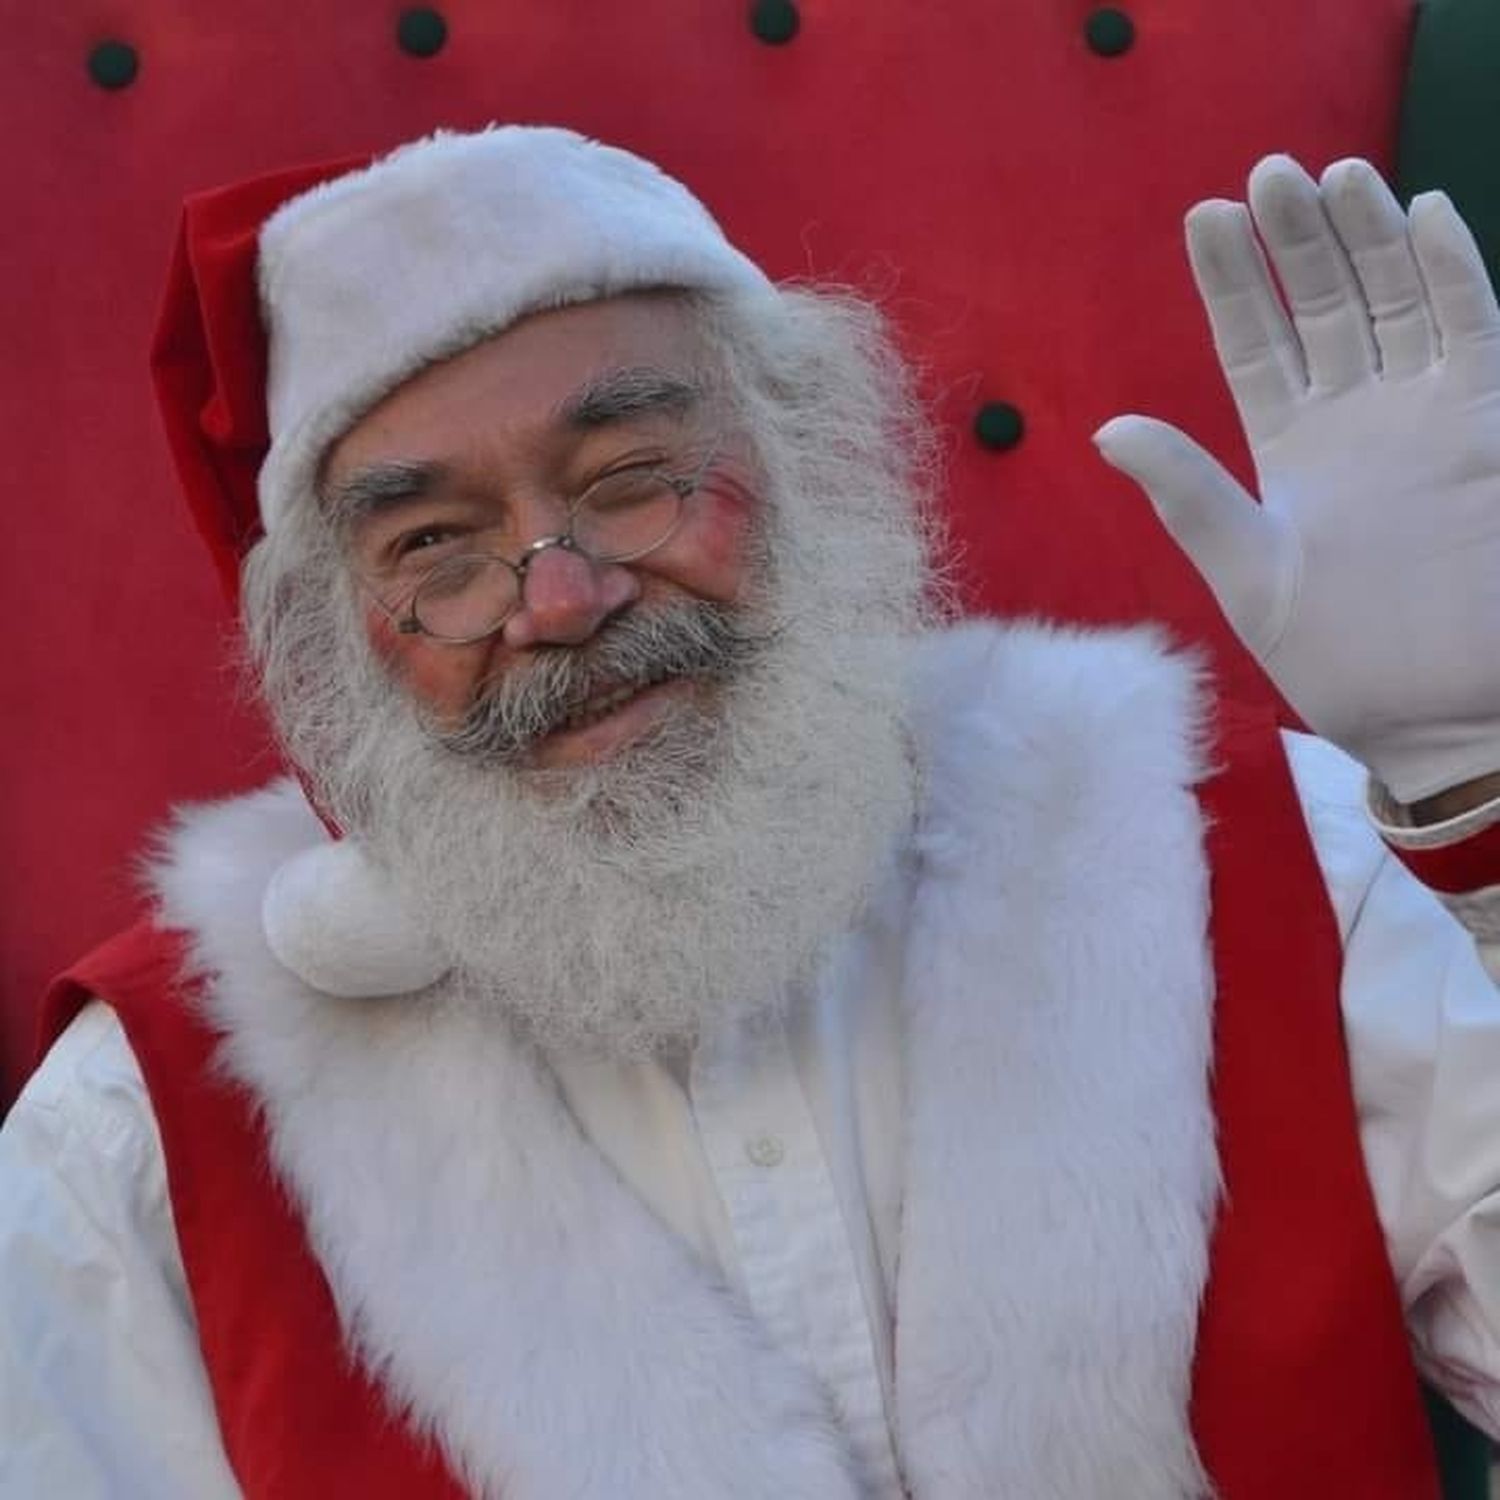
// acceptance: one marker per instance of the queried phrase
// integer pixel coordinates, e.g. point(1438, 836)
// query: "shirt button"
point(765, 1150)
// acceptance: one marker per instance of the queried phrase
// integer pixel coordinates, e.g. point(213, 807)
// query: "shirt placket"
point(798, 1268)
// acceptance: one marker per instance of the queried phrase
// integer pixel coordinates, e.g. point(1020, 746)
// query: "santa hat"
point(296, 301)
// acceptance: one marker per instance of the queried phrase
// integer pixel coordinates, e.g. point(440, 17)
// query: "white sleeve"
point(1422, 1020)
point(102, 1386)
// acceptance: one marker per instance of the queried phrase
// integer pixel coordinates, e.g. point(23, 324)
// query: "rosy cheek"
point(720, 537)
point(386, 641)
point(439, 677)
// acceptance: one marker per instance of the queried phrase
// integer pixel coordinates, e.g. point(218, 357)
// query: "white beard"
point(704, 892)
point(698, 876)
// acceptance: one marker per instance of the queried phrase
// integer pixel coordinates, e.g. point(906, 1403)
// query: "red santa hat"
point(296, 301)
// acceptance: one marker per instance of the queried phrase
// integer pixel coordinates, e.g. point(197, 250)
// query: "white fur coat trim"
point(1061, 1168)
point(501, 1282)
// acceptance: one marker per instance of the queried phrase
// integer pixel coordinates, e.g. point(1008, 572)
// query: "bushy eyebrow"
point(615, 396)
point(619, 395)
point(380, 487)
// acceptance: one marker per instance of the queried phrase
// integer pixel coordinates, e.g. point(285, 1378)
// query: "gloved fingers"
point(1257, 349)
point(1328, 306)
point(1463, 301)
point(1245, 554)
point(1373, 228)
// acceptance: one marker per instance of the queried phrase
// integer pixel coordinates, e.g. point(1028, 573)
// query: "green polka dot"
point(998, 425)
point(774, 21)
point(114, 65)
point(1109, 32)
point(421, 32)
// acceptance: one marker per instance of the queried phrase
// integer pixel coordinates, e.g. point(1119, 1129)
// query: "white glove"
point(1367, 582)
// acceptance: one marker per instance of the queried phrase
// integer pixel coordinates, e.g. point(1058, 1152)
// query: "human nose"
point(566, 596)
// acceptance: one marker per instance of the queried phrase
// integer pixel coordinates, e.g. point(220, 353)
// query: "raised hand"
point(1367, 581)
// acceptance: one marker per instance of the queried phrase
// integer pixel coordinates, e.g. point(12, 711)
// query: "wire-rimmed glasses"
point(621, 517)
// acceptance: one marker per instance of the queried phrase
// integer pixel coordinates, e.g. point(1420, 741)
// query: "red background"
point(1011, 196)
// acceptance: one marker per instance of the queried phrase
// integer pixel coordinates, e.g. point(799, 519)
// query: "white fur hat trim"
point(331, 917)
point(369, 278)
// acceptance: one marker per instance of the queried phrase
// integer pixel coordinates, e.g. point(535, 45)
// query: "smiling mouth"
point(568, 709)
point(601, 706)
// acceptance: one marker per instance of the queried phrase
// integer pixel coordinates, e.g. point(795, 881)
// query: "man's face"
point(483, 452)
point(698, 849)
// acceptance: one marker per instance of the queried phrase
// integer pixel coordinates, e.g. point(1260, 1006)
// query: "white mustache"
point(691, 638)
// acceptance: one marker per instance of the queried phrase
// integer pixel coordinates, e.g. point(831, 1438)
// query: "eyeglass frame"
point(683, 485)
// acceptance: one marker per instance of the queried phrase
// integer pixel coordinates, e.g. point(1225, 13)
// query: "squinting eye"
point(421, 540)
point(624, 488)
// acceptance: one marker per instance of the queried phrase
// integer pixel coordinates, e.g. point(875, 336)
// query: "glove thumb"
point(1244, 553)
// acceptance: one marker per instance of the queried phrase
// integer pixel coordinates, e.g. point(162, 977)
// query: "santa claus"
point(703, 1026)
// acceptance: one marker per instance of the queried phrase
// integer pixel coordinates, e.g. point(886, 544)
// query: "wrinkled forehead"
point(551, 383)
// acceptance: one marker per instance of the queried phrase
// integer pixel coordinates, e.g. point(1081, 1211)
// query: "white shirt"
point(778, 1159)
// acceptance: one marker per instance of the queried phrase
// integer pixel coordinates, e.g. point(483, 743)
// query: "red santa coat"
point(1056, 766)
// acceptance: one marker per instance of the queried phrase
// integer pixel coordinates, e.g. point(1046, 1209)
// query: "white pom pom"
point(332, 918)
